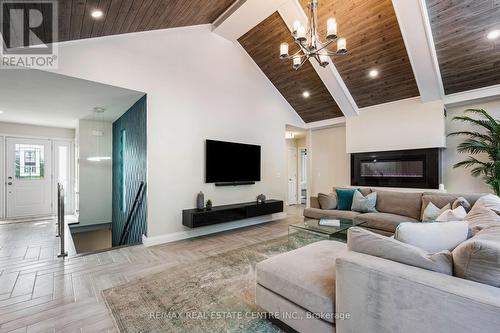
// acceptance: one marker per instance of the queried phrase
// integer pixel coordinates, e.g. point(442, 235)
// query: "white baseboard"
point(167, 238)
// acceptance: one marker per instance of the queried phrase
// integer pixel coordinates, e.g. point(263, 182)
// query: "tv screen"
point(231, 162)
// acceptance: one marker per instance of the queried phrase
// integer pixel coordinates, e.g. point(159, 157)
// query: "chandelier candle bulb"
point(296, 61)
point(284, 50)
point(331, 28)
point(342, 45)
point(296, 26)
point(301, 33)
point(324, 60)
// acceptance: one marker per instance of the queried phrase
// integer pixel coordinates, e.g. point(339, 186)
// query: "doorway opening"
point(297, 160)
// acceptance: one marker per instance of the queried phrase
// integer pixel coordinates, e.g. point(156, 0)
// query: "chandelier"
point(310, 44)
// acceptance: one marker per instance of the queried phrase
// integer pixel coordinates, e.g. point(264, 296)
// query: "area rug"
point(216, 294)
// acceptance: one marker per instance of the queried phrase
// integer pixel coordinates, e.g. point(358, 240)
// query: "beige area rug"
point(216, 294)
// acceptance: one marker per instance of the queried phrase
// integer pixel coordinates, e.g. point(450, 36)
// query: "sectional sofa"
point(328, 286)
point(393, 208)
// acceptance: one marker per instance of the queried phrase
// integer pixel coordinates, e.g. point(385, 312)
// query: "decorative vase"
point(200, 200)
point(261, 198)
point(209, 204)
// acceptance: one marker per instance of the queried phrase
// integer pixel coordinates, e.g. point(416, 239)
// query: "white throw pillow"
point(433, 237)
point(431, 212)
point(490, 201)
point(457, 214)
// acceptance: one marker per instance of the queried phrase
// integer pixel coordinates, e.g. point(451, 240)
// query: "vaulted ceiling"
point(261, 44)
point(467, 59)
point(374, 41)
point(125, 16)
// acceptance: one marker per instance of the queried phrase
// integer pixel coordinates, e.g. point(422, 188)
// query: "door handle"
point(9, 183)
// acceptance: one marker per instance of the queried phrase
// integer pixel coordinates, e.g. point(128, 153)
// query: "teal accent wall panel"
point(129, 169)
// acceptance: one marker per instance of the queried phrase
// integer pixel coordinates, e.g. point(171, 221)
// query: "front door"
point(28, 177)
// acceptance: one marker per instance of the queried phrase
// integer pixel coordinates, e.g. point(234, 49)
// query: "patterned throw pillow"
point(327, 201)
point(431, 212)
point(344, 198)
point(364, 204)
point(461, 201)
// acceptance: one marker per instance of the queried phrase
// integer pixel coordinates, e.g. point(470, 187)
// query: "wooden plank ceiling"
point(374, 41)
point(262, 44)
point(125, 16)
point(467, 59)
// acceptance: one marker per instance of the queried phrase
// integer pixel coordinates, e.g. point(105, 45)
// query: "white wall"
point(460, 180)
point(95, 178)
point(36, 131)
point(406, 124)
point(330, 163)
point(199, 86)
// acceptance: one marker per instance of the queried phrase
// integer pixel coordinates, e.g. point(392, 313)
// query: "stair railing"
point(126, 229)
point(61, 227)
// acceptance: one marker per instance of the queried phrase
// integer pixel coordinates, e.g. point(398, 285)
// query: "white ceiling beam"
point(291, 11)
point(417, 34)
point(473, 96)
point(327, 123)
point(243, 16)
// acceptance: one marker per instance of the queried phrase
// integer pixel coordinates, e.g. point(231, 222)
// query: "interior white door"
point(292, 176)
point(63, 172)
point(29, 177)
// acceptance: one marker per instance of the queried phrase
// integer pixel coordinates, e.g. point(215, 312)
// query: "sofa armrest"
point(313, 202)
point(385, 296)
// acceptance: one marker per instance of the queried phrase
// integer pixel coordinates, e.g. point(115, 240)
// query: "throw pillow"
point(431, 212)
point(490, 201)
point(367, 242)
point(478, 258)
point(433, 237)
point(327, 201)
point(457, 214)
point(344, 198)
point(461, 201)
point(364, 204)
point(481, 217)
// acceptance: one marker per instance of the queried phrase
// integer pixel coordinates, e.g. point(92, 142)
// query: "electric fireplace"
point(418, 168)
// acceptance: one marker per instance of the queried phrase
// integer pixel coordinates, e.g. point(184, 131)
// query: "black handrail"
point(126, 229)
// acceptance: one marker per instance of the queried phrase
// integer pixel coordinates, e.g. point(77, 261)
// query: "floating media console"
point(194, 218)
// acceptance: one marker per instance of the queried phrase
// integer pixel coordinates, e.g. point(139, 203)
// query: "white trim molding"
point(321, 124)
point(472, 96)
point(202, 231)
point(416, 30)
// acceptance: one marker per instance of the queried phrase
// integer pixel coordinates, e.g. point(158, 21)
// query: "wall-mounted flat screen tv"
point(230, 162)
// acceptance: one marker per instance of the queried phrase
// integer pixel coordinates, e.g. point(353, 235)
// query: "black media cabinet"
point(194, 218)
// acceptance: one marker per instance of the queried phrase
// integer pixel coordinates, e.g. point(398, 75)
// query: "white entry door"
point(28, 177)
point(292, 176)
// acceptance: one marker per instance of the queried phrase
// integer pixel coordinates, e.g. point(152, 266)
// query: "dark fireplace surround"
point(417, 168)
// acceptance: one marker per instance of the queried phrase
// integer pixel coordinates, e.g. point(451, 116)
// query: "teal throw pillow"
point(344, 199)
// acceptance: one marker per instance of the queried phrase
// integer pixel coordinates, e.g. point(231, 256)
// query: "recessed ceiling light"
point(97, 13)
point(306, 94)
point(494, 34)
point(373, 73)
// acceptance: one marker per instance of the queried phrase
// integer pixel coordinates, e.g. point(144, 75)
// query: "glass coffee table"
point(327, 232)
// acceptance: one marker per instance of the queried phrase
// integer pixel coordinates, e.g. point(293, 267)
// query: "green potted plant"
point(486, 143)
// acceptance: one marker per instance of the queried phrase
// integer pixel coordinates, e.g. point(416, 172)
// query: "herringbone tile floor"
point(42, 293)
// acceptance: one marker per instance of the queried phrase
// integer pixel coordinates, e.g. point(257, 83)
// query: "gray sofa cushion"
point(399, 203)
point(363, 241)
point(481, 217)
point(305, 276)
point(383, 221)
point(316, 213)
point(478, 259)
point(327, 201)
